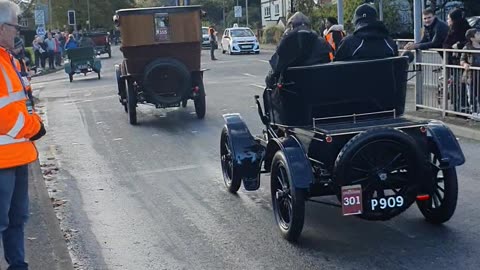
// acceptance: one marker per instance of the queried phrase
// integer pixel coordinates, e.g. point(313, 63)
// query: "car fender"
point(248, 153)
point(298, 163)
point(451, 155)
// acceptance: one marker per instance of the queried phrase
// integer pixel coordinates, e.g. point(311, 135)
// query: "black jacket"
point(434, 35)
point(297, 48)
point(369, 41)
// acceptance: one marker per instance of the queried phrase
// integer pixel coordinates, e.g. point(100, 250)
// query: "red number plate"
point(352, 200)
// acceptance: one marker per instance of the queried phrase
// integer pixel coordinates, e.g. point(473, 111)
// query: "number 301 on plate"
point(352, 200)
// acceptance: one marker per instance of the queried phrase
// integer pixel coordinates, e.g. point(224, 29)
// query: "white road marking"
point(263, 61)
point(168, 169)
point(258, 86)
point(71, 102)
point(249, 75)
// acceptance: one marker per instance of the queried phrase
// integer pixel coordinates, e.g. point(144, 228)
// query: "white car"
point(239, 40)
point(205, 38)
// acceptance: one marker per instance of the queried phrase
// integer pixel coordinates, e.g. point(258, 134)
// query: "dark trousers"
point(38, 58)
point(212, 50)
point(51, 58)
point(14, 214)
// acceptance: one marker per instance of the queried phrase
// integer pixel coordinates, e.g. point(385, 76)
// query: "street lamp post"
point(88, 11)
point(246, 10)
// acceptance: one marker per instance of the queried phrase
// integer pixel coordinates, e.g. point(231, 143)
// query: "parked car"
point(239, 40)
point(205, 38)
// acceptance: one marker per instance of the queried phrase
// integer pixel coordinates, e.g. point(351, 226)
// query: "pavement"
point(151, 196)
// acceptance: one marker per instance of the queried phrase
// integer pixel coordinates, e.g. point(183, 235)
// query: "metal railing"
point(445, 86)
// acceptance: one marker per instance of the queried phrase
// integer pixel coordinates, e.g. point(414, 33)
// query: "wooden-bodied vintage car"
point(161, 65)
point(338, 129)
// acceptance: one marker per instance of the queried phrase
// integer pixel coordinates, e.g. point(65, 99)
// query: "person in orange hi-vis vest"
point(19, 127)
point(333, 34)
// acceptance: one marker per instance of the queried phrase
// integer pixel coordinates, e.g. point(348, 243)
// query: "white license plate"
point(247, 46)
point(82, 66)
point(388, 202)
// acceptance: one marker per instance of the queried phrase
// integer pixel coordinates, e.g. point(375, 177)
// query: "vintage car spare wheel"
point(388, 166)
point(166, 81)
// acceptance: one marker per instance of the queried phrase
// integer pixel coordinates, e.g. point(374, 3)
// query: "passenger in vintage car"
point(370, 40)
point(300, 46)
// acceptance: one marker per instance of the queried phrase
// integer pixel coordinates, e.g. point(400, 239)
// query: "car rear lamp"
point(423, 197)
point(279, 85)
point(196, 89)
point(423, 129)
point(328, 139)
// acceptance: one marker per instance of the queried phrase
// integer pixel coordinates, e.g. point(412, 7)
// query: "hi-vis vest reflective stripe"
point(11, 97)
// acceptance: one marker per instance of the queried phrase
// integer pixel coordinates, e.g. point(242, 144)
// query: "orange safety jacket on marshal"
point(17, 125)
point(329, 36)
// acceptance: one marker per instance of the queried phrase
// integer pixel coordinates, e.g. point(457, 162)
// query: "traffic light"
point(71, 17)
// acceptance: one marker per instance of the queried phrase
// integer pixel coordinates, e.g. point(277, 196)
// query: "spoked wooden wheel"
point(288, 202)
point(386, 165)
point(442, 203)
point(230, 175)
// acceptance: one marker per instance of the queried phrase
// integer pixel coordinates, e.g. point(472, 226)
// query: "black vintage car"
point(338, 129)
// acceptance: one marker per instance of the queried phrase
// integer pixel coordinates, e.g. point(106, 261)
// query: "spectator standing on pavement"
point(457, 28)
point(472, 77)
point(212, 37)
point(58, 50)
point(36, 51)
point(71, 43)
point(333, 33)
point(51, 48)
point(370, 40)
point(434, 34)
point(19, 127)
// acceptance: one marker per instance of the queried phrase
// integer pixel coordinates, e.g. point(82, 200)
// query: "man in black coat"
point(300, 46)
point(370, 40)
point(434, 34)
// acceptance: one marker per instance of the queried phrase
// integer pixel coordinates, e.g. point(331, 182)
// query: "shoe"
point(213, 59)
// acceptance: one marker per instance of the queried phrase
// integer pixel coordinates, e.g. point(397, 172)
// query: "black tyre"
point(257, 52)
point(167, 81)
point(288, 202)
point(132, 103)
point(199, 101)
point(70, 77)
point(386, 163)
point(231, 175)
point(184, 103)
point(442, 203)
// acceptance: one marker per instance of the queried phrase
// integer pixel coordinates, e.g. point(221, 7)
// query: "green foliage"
point(101, 12)
point(215, 8)
point(272, 34)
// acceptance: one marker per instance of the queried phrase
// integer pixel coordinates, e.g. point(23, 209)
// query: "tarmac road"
point(152, 197)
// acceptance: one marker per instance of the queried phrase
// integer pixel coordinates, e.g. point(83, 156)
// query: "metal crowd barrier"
point(444, 85)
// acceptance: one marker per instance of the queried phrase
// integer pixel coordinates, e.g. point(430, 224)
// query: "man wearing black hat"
point(370, 40)
point(299, 46)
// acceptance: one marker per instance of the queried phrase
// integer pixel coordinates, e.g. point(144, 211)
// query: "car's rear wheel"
point(386, 164)
point(132, 103)
point(442, 202)
point(200, 102)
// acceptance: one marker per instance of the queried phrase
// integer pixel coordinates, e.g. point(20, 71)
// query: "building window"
point(277, 9)
point(266, 12)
